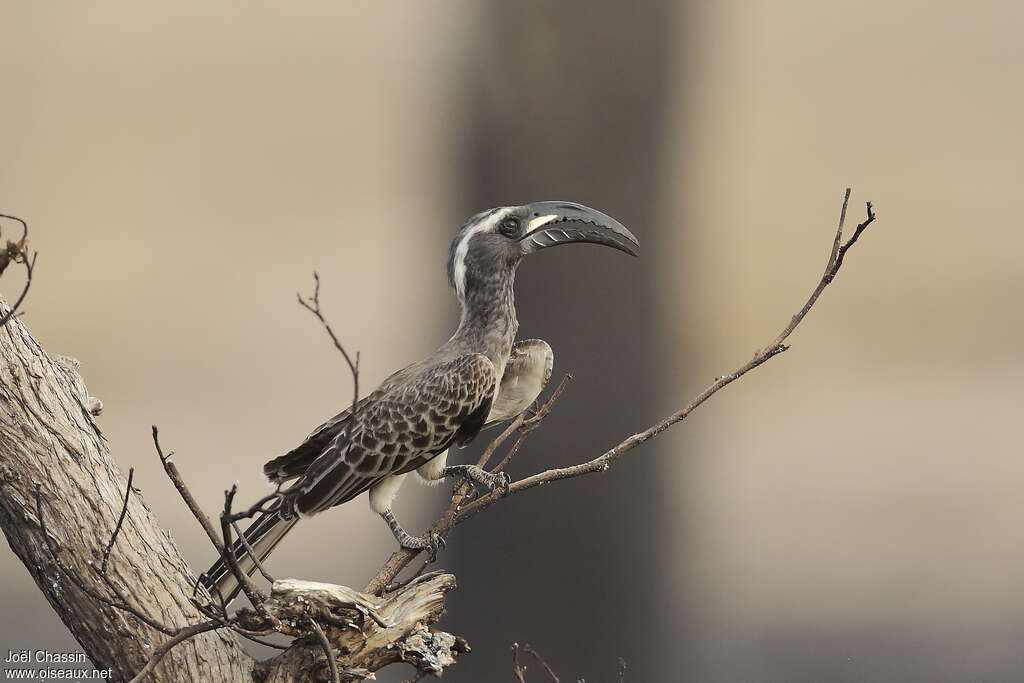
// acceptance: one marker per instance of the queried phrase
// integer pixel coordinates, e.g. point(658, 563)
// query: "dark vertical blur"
point(567, 102)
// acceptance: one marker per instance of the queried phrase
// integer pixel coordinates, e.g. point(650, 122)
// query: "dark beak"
point(544, 228)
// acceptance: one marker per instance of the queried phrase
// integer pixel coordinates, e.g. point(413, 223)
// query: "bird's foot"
point(431, 542)
point(476, 475)
point(499, 481)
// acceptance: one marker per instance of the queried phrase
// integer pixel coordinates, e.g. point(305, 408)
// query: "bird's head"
point(495, 241)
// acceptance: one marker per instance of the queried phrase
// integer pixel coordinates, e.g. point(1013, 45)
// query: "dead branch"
point(536, 655)
point(519, 669)
point(312, 304)
point(328, 650)
point(120, 521)
point(179, 637)
point(256, 597)
point(17, 252)
point(365, 633)
point(251, 553)
point(172, 473)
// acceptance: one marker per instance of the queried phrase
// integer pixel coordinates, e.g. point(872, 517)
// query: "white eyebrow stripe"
point(459, 269)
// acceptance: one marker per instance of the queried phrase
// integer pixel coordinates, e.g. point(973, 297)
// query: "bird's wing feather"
point(526, 374)
point(295, 462)
point(395, 427)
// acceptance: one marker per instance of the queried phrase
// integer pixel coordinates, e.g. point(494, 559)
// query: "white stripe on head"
point(459, 263)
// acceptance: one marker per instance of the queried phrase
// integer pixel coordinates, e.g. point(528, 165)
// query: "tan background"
point(849, 512)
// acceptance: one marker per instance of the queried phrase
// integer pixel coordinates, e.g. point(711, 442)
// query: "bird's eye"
point(510, 226)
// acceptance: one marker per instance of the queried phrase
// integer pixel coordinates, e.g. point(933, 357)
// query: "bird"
point(479, 378)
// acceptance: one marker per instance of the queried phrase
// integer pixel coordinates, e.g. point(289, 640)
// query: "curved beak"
point(544, 229)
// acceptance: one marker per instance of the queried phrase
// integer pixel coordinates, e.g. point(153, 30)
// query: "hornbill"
point(477, 378)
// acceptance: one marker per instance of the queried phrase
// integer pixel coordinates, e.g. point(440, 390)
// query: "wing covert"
point(401, 425)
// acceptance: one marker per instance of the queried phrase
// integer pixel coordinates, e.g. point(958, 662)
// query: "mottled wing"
point(404, 424)
point(295, 462)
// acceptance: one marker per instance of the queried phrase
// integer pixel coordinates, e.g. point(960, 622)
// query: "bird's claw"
point(432, 542)
point(492, 480)
point(473, 493)
point(435, 543)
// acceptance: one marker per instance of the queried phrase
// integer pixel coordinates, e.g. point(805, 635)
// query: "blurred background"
point(849, 512)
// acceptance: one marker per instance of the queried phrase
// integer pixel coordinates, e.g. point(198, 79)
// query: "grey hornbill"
point(477, 378)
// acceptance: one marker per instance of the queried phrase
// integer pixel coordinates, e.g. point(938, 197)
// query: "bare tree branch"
point(312, 304)
point(172, 473)
point(251, 553)
point(536, 655)
point(256, 597)
point(179, 637)
point(518, 670)
point(17, 252)
point(120, 521)
point(328, 650)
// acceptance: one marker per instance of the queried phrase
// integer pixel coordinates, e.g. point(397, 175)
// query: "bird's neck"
point(488, 324)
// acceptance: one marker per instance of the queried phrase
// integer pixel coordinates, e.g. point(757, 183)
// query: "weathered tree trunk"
point(53, 457)
point(48, 437)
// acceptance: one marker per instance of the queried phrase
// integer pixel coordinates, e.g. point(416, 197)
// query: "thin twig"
point(172, 473)
point(536, 655)
point(622, 670)
point(17, 252)
point(30, 264)
point(79, 583)
point(259, 507)
point(518, 670)
point(603, 462)
point(251, 553)
point(328, 650)
point(312, 304)
point(256, 597)
point(120, 521)
point(177, 638)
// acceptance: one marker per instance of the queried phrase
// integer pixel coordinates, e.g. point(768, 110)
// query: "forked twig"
point(312, 304)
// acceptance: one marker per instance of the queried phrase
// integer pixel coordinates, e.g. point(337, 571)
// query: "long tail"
point(263, 535)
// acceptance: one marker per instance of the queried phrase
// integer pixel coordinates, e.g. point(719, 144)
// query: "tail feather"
point(262, 535)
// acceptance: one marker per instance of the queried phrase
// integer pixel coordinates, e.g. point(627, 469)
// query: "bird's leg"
point(474, 474)
point(432, 541)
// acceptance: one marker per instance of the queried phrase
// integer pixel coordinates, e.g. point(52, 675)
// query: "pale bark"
point(48, 436)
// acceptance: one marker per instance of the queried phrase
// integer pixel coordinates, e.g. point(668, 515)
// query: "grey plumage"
point(478, 377)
